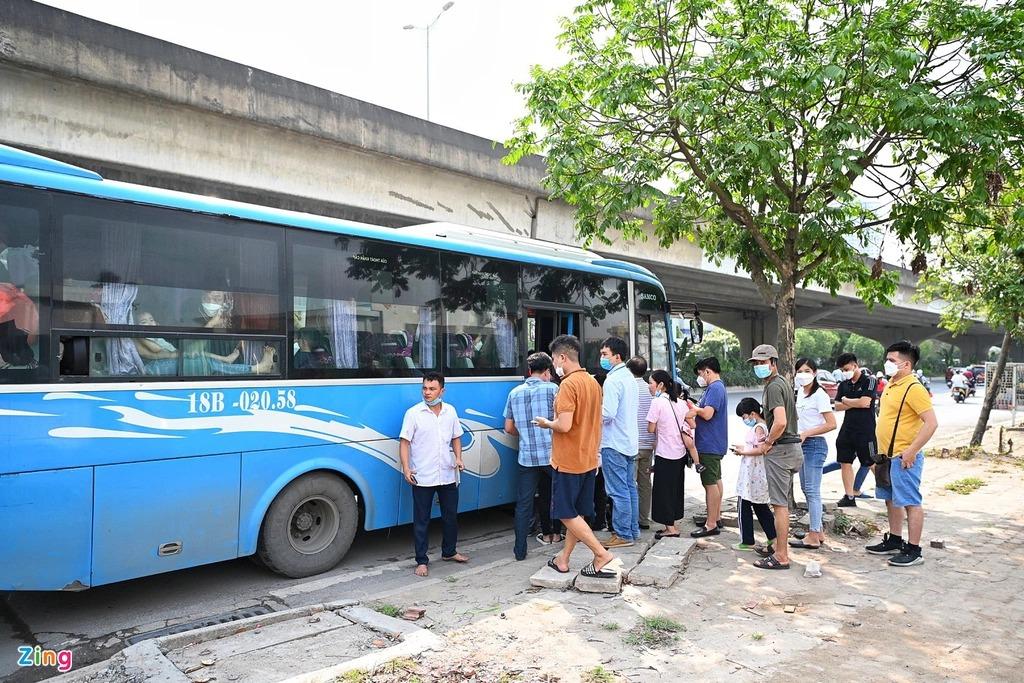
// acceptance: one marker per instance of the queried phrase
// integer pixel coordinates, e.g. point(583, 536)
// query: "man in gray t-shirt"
point(782, 453)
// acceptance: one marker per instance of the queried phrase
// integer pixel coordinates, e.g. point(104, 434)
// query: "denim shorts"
point(906, 483)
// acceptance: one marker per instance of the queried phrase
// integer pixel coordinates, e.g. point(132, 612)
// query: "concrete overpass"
point(143, 110)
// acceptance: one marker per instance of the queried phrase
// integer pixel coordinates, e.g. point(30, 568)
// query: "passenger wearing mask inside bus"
point(159, 356)
point(221, 355)
point(312, 352)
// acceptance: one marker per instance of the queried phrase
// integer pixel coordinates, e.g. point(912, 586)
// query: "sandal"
point(770, 563)
point(551, 563)
point(764, 550)
point(542, 540)
point(801, 544)
point(658, 535)
point(592, 572)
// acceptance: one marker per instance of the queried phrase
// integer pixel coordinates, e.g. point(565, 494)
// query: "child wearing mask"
point(752, 480)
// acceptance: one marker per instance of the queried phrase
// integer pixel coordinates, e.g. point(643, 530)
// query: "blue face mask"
point(749, 421)
point(432, 403)
point(762, 371)
point(606, 364)
point(657, 394)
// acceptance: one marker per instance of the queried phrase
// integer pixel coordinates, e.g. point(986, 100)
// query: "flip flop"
point(658, 535)
point(592, 572)
point(551, 563)
point(542, 540)
point(770, 563)
point(801, 544)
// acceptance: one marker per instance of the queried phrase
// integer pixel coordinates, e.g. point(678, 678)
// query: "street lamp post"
point(410, 27)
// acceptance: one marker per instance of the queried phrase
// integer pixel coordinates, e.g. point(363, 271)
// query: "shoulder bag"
point(687, 458)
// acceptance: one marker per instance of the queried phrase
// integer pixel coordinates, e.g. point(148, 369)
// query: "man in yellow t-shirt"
point(906, 422)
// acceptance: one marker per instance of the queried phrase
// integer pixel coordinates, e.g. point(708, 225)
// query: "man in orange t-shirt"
point(575, 441)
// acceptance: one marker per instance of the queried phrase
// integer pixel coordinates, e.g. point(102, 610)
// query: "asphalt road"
point(99, 621)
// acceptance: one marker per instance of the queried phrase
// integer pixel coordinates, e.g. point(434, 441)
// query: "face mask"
point(890, 368)
point(559, 371)
point(701, 382)
point(749, 421)
point(211, 309)
point(762, 371)
point(657, 394)
point(606, 364)
point(848, 374)
point(802, 379)
point(432, 403)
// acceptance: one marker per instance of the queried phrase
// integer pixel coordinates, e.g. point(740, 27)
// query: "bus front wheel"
point(309, 526)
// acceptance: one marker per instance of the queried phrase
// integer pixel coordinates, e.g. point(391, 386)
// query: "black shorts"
point(572, 495)
point(849, 449)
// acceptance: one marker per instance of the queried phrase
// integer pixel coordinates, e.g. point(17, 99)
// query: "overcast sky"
point(478, 49)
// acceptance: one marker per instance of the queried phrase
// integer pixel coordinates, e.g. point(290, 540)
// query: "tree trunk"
point(785, 310)
point(991, 389)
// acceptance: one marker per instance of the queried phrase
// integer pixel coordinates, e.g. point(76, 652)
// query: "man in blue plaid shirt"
point(534, 397)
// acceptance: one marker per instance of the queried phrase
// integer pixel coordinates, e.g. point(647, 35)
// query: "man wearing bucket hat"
point(782, 454)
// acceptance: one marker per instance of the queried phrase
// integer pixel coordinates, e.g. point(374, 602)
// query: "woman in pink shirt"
point(667, 421)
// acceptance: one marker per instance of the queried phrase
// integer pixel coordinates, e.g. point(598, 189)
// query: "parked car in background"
point(828, 383)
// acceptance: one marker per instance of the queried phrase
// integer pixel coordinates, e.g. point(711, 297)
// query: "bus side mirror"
point(696, 330)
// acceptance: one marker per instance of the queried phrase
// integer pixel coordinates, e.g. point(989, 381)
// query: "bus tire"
point(309, 527)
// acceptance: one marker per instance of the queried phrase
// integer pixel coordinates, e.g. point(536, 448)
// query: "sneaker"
point(847, 502)
point(910, 556)
point(615, 542)
point(701, 532)
point(890, 545)
point(742, 546)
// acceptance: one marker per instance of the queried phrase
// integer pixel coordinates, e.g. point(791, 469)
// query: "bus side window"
point(20, 250)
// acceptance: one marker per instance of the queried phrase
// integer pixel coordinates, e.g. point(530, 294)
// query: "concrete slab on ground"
point(663, 563)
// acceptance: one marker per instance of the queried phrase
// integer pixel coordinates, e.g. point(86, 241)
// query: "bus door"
point(544, 324)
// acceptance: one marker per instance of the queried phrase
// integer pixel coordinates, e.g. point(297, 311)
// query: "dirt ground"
point(959, 616)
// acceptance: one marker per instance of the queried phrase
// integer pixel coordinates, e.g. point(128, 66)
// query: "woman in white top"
point(814, 418)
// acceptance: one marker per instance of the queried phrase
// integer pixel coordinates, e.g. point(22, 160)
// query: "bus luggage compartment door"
point(45, 525)
point(153, 517)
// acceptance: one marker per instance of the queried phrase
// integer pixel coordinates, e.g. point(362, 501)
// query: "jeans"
point(858, 480)
point(620, 482)
point(422, 500)
point(530, 478)
point(815, 451)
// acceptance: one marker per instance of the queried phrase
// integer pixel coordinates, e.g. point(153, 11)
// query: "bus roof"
point(24, 168)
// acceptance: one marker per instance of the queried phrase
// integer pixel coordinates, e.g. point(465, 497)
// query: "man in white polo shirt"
point(431, 452)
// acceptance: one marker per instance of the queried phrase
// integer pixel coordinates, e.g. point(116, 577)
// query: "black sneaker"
point(847, 502)
point(701, 532)
point(910, 556)
point(890, 545)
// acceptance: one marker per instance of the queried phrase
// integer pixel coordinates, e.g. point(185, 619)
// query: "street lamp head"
point(447, 6)
point(408, 27)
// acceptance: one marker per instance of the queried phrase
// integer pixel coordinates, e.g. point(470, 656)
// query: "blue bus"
point(186, 380)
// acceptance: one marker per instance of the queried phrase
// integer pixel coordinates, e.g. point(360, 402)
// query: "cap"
point(763, 352)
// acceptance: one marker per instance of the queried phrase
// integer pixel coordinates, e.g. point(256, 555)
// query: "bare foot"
point(421, 570)
point(457, 557)
point(603, 560)
point(266, 364)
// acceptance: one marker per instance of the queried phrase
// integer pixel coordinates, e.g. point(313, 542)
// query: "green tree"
point(818, 345)
point(765, 130)
point(980, 273)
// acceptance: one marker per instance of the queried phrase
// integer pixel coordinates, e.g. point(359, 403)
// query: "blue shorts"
point(906, 483)
point(572, 495)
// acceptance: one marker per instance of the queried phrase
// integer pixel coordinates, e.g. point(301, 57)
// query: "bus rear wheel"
point(309, 526)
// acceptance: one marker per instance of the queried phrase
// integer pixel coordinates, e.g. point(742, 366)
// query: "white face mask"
point(890, 368)
point(211, 309)
point(848, 374)
point(802, 379)
point(701, 382)
point(559, 371)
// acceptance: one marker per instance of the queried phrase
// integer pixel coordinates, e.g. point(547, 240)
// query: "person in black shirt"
point(856, 397)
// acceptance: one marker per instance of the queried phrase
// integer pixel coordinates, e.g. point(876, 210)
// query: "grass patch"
point(354, 676)
point(387, 609)
point(611, 626)
point(847, 525)
point(598, 674)
point(654, 632)
point(450, 579)
point(958, 453)
point(757, 635)
point(965, 485)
